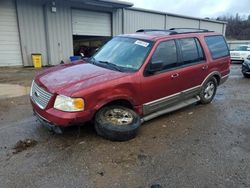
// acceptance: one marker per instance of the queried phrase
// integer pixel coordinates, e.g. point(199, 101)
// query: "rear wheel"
point(117, 123)
point(208, 91)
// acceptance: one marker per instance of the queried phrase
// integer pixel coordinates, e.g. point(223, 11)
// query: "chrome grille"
point(39, 95)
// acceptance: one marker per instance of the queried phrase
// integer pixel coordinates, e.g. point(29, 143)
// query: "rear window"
point(217, 46)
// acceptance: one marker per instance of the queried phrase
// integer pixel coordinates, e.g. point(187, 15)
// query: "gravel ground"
point(198, 146)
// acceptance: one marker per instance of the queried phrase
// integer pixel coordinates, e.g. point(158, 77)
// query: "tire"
point(117, 123)
point(246, 75)
point(208, 91)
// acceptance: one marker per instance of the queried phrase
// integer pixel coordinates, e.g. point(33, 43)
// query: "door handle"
point(205, 67)
point(175, 75)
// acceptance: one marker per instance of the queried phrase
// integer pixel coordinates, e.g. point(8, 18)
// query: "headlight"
point(68, 104)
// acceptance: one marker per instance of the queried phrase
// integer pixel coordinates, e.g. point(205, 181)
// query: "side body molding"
point(168, 101)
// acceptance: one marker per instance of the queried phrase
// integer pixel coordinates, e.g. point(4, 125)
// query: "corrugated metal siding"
point(10, 54)
point(173, 22)
point(59, 32)
point(211, 26)
point(32, 30)
point(117, 22)
point(91, 23)
point(134, 20)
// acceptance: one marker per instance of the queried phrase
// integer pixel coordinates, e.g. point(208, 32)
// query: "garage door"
point(91, 23)
point(10, 53)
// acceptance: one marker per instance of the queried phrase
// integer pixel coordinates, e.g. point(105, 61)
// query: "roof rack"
point(174, 31)
point(165, 31)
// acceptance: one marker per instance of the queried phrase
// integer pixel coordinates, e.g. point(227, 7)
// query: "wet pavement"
point(198, 146)
point(13, 90)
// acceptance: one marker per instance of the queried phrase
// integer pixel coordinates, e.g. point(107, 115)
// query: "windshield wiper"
point(91, 60)
point(116, 67)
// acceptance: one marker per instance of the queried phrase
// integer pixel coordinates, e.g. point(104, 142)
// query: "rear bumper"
point(52, 117)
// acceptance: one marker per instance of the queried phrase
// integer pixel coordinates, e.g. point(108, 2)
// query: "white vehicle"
point(240, 53)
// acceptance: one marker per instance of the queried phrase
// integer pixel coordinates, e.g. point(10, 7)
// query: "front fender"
point(104, 102)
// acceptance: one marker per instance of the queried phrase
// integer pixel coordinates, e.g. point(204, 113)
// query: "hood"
point(77, 75)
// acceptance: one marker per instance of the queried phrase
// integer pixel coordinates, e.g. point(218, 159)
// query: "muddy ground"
point(199, 146)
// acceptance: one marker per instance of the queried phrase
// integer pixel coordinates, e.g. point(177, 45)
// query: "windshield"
point(128, 54)
point(242, 48)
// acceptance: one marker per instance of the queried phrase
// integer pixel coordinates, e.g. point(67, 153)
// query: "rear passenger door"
point(193, 67)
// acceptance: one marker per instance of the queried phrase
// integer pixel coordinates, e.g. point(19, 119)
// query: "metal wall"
point(211, 26)
point(134, 20)
point(59, 32)
point(173, 22)
point(32, 30)
point(117, 22)
point(46, 32)
point(10, 52)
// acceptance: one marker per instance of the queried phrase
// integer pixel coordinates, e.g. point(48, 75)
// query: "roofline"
point(176, 15)
point(104, 3)
point(125, 3)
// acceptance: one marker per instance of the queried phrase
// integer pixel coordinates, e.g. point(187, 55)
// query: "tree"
point(238, 28)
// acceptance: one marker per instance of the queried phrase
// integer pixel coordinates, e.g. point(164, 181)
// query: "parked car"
point(132, 79)
point(246, 67)
point(240, 53)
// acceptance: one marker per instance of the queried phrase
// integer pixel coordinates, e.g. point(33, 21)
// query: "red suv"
point(131, 79)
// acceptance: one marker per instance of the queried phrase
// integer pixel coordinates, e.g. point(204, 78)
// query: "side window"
point(191, 50)
point(166, 54)
point(217, 46)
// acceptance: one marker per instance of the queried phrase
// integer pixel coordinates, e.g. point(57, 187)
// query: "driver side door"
point(160, 89)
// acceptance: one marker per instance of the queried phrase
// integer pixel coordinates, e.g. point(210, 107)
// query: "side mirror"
point(154, 67)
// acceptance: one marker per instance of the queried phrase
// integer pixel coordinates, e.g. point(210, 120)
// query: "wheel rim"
point(209, 90)
point(118, 116)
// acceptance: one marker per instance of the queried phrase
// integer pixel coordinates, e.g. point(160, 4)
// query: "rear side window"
point(166, 54)
point(191, 50)
point(217, 46)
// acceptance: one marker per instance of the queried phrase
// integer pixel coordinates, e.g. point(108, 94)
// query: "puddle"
point(11, 90)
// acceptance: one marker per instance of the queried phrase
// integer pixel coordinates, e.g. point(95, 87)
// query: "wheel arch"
point(123, 101)
point(214, 74)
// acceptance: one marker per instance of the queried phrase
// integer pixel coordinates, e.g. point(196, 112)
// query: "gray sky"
point(197, 8)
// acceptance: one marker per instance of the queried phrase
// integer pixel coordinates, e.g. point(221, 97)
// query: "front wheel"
point(117, 123)
point(208, 91)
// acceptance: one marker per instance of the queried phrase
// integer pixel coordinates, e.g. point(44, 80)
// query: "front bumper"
point(56, 118)
point(246, 68)
point(47, 124)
